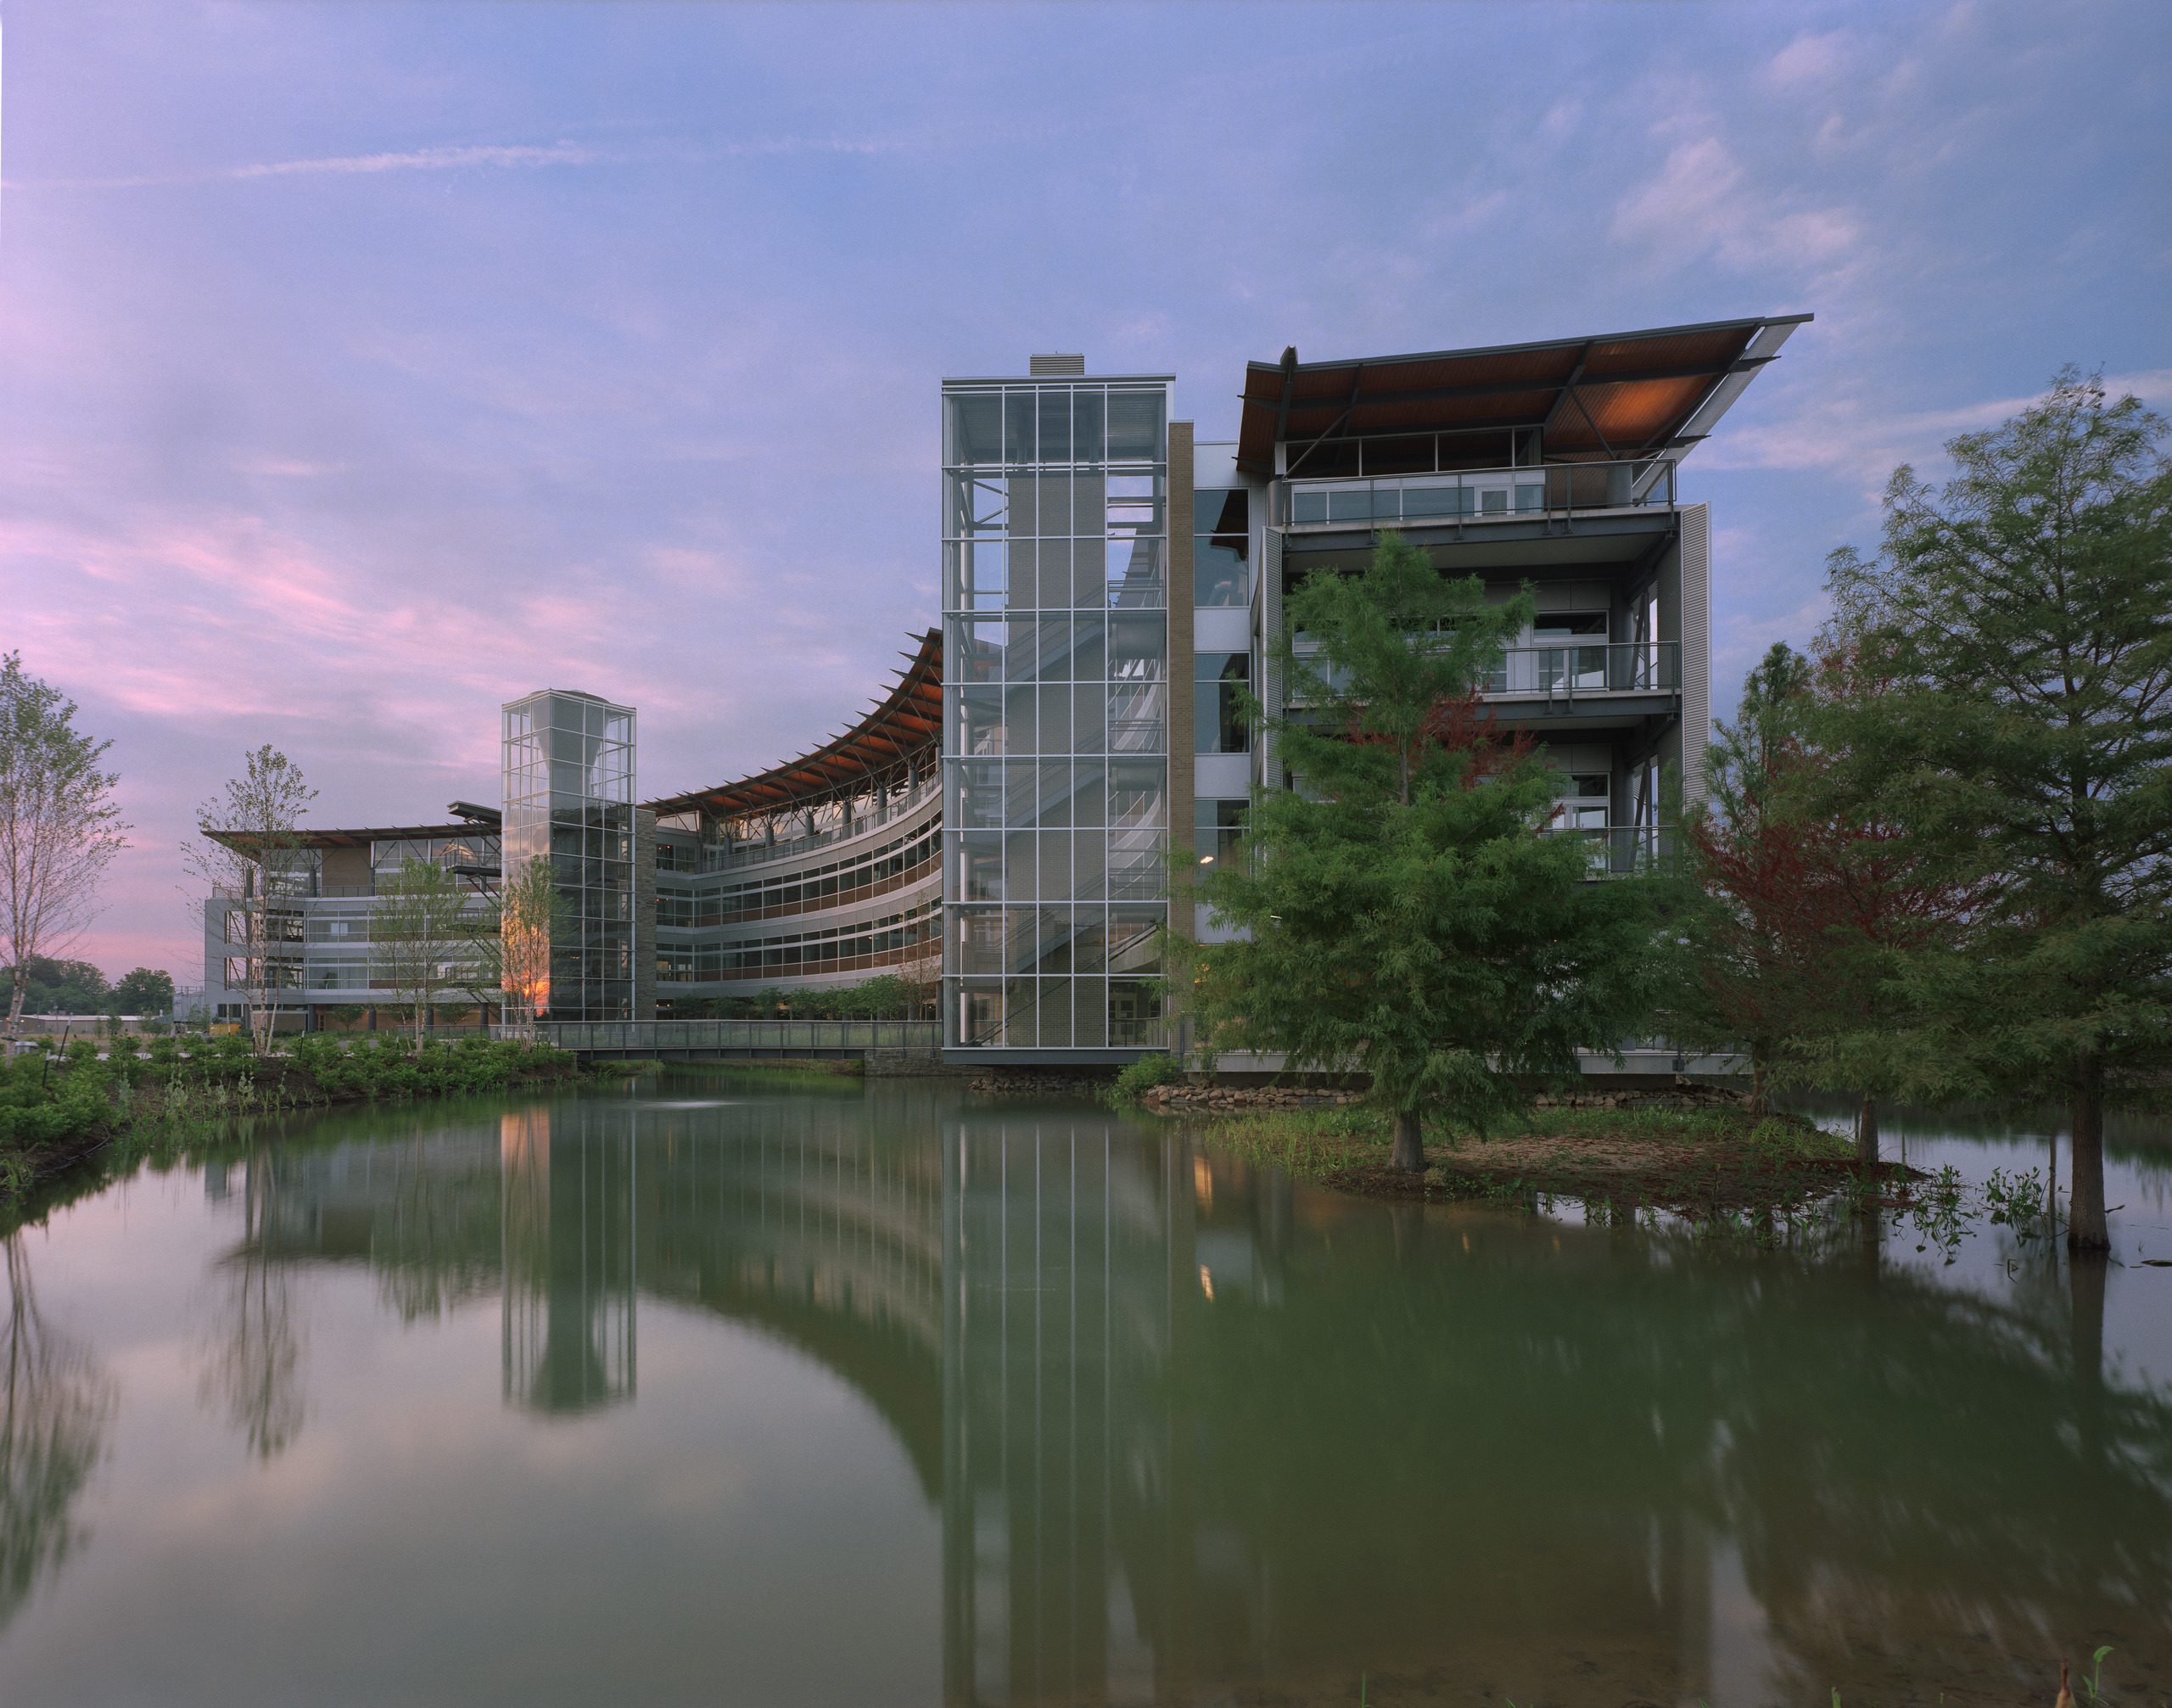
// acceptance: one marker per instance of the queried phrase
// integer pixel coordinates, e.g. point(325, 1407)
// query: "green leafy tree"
point(1406, 912)
point(143, 991)
point(62, 987)
point(2016, 621)
point(253, 865)
point(1749, 977)
point(421, 942)
point(531, 916)
point(1804, 892)
point(59, 826)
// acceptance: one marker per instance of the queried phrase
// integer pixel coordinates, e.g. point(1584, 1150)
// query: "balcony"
point(1620, 850)
point(1545, 492)
point(1587, 670)
point(734, 854)
point(1593, 673)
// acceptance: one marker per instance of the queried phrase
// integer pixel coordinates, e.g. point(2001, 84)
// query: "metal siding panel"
point(1696, 647)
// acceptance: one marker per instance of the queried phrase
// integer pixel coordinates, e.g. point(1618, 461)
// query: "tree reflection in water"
point(54, 1418)
point(1192, 1432)
point(252, 1361)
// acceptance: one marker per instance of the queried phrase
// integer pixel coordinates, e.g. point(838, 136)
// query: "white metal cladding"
point(1696, 647)
point(1270, 626)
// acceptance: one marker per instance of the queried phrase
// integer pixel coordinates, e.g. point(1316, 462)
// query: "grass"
point(1315, 1144)
point(1701, 1161)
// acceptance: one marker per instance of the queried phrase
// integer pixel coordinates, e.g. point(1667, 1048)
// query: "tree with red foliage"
point(1752, 933)
point(1808, 894)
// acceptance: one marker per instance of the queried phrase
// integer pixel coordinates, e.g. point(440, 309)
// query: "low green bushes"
point(53, 1104)
point(48, 1101)
point(1140, 1075)
point(392, 1065)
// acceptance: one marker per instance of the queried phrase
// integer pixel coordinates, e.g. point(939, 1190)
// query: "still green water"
point(718, 1392)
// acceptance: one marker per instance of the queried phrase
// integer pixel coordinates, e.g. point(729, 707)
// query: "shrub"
point(1138, 1077)
point(45, 1102)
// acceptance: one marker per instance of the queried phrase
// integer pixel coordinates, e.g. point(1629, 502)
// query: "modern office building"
point(1112, 583)
point(321, 972)
point(998, 826)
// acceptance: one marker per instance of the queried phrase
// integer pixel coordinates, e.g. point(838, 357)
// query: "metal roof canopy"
point(310, 836)
point(907, 720)
point(1601, 398)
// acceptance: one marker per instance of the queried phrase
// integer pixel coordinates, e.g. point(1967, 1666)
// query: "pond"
point(722, 1391)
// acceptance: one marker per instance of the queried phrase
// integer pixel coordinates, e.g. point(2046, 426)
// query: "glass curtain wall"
point(569, 796)
point(1056, 728)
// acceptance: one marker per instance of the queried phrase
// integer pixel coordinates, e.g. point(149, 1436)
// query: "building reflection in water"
point(1188, 1434)
point(1062, 1254)
point(569, 1256)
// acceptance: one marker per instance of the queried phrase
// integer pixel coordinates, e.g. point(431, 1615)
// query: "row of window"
point(454, 850)
point(884, 941)
point(819, 886)
point(1054, 504)
point(1081, 424)
point(1057, 647)
point(1052, 793)
point(1052, 940)
point(1023, 721)
point(1070, 867)
point(1061, 1013)
point(1055, 575)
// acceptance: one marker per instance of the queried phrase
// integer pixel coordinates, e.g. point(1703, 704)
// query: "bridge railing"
point(756, 1037)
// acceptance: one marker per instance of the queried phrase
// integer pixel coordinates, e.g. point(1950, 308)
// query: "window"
point(1573, 650)
point(1219, 723)
point(1584, 798)
point(1218, 827)
point(1221, 552)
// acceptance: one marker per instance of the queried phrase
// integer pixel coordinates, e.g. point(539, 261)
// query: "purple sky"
point(365, 366)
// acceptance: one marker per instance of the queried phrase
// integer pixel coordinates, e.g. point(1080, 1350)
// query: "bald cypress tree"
point(2019, 626)
point(1407, 913)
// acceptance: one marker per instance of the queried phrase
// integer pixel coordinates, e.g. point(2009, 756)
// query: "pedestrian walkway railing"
point(664, 1037)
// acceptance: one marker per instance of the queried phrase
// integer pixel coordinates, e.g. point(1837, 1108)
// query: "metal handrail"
point(1572, 669)
point(1569, 667)
point(725, 857)
point(1618, 850)
point(652, 1036)
point(1476, 494)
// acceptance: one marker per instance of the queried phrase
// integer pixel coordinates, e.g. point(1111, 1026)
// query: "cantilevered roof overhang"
point(311, 837)
point(1600, 398)
point(907, 721)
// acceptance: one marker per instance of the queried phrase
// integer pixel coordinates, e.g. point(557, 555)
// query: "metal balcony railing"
point(1599, 667)
point(726, 857)
point(1618, 850)
point(1476, 494)
point(1573, 670)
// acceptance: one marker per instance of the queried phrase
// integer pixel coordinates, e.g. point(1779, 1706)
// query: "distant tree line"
point(76, 987)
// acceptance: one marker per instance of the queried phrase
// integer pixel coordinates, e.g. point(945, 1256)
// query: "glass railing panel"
point(1480, 494)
